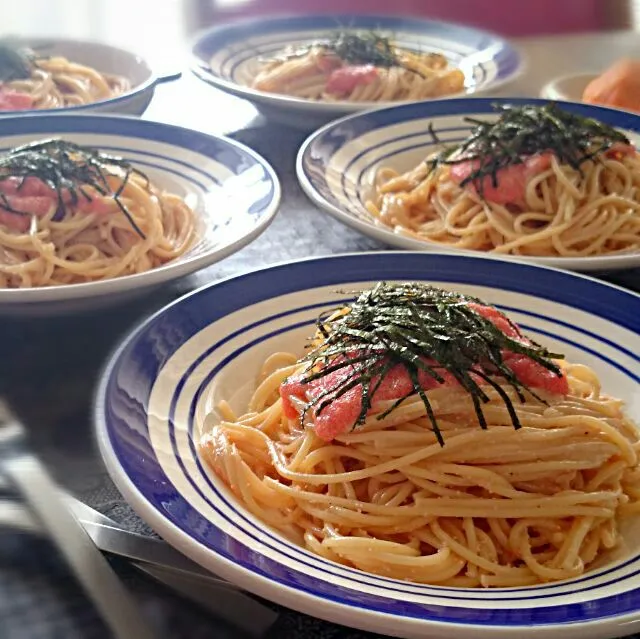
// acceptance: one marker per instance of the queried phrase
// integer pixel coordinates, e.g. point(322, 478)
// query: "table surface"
point(51, 364)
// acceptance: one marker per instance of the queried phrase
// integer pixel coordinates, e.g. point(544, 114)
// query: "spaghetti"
point(345, 453)
point(358, 67)
point(564, 187)
point(30, 81)
point(71, 214)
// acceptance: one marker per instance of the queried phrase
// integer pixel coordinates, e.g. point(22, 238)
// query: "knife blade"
point(160, 561)
point(114, 540)
point(93, 572)
point(110, 537)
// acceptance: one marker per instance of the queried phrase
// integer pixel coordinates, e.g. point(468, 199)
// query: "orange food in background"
point(618, 86)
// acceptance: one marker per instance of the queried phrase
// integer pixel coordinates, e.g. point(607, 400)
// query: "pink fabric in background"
point(509, 17)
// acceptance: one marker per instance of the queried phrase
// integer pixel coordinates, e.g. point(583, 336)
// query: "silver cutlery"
point(111, 538)
point(112, 600)
point(158, 560)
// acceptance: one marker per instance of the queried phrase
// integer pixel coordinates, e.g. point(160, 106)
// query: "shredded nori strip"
point(355, 48)
point(405, 324)
point(522, 131)
point(364, 48)
point(68, 167)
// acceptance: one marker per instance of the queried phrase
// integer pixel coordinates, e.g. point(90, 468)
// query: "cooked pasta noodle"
point(541, 207)
point(565, 213)
point(55, 82)
point(498, 507)
point(122, 226)
point(376, 72)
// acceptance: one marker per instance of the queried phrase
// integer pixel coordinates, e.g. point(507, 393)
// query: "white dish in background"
point(210, 344)
point(336, 165)
point(228, 55)
point(106, 59)
point(568, 88)
point(234, 193)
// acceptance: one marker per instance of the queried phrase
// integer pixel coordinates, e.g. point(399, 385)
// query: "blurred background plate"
point(228, 56)
point(104, 58)
point(569, 88)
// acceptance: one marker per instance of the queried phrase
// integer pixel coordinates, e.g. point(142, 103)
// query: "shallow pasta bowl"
point(233, 192)
point(337, 165)
point(567, 87)
point(228, 57)
point(105, 58)
point(210, 345)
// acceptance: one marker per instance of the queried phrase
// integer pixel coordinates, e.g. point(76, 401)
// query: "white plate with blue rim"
point(336, 165)
point(159, 382)
point(104, 58)
point(233, 192)
point(228, 56)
